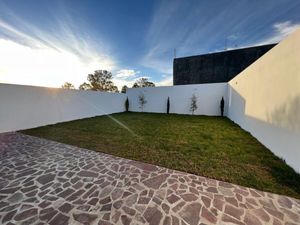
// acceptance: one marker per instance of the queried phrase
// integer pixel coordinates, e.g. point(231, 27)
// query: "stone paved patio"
point(45, 182)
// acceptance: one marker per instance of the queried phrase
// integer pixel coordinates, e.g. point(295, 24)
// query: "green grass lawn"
point(214, 147)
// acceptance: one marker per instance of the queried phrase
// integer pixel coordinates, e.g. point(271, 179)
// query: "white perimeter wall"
point(265, 100)
point(24, 107)
point(208, 98)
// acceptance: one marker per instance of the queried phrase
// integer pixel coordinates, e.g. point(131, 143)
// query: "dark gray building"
point(215, 67)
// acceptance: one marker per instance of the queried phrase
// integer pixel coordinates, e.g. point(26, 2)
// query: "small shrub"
point(142, 101)
point(168, 105)
point(193, 106)
point(127, 105)
point(222, 105)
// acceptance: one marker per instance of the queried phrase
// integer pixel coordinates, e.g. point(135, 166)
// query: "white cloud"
point(281, 31)
point(120, 83)
point(167, 81)
point(31, 56)
point(125, 77)
point(126, 73)
point(130, 82)
point(21, 64)
point(286, 28)
point(161, 61)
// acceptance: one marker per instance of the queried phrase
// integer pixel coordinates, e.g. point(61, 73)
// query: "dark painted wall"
point(215, 67)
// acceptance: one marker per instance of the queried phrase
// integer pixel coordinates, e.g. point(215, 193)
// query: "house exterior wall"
point(264, 99)
point(208, 98)
point(23, 107)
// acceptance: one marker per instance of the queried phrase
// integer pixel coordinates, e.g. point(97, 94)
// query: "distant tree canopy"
point(101, 80)
point(124, 88)
point(143, 82)
point(85, 86)
point(67, 85)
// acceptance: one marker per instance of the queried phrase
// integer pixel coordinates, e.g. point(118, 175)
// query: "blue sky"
point(46, 43)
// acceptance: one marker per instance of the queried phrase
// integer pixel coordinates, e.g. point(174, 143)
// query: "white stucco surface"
point(265, 100)
point(208, 98)
point(24, 107)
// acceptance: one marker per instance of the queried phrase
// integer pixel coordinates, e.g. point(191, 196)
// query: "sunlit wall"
point(265, 99)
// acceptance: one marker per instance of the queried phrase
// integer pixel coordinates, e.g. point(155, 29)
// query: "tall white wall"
point(208, 98)
point(265, 100)
point(24, 107)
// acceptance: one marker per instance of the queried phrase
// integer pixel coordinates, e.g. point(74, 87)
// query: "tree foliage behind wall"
point(101, 80)
point(85, 86)
point(124, 89)
point(143, 82)
point(67, 85)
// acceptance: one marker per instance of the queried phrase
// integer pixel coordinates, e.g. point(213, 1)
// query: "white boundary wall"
point(208, 98)
point(264, 99)
point(23, 107)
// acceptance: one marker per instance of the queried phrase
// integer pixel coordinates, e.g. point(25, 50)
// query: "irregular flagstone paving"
point(45, 182)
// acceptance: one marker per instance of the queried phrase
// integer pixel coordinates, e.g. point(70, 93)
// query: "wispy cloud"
point(185, 27)
point(31, 55)
point(125, 77)
point(166, 81)
point(280, 31)
point(159, 61)
point(129, 76)
point(39, 58)
point(197, 27)
point(126, 73)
